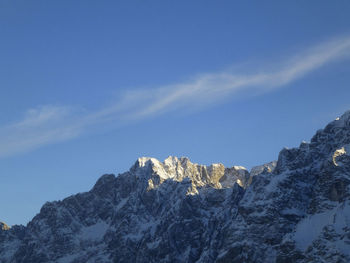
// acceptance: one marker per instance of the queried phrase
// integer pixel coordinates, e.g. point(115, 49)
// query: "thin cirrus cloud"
point(51, 124)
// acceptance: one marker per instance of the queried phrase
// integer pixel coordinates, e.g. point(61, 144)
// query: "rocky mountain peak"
point(4, 227)
point(179, 169)
point(343, 120)
point(324, 144)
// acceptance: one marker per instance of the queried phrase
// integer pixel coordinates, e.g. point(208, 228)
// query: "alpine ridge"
point(295, 209)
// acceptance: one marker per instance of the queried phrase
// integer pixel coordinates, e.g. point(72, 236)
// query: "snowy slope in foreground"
point(294, 210)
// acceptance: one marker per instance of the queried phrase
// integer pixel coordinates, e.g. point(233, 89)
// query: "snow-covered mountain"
point(294, 210)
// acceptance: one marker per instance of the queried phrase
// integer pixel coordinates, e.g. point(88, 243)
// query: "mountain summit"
point(294, 210)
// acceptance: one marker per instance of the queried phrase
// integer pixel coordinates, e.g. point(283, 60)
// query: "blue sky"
point(87, 87)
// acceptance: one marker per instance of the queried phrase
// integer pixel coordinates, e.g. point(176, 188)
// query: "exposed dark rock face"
point(295, 210)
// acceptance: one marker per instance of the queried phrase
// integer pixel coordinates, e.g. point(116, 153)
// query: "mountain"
point(294, 210)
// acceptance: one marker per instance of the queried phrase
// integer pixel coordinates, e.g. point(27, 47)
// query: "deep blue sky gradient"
point(84, 54)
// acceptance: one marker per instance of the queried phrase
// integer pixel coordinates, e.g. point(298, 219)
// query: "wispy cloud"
point(40, 126)
point(214, 87)
point(51, 124)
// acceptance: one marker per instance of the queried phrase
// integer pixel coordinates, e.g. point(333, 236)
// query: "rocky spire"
point(3, 226)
